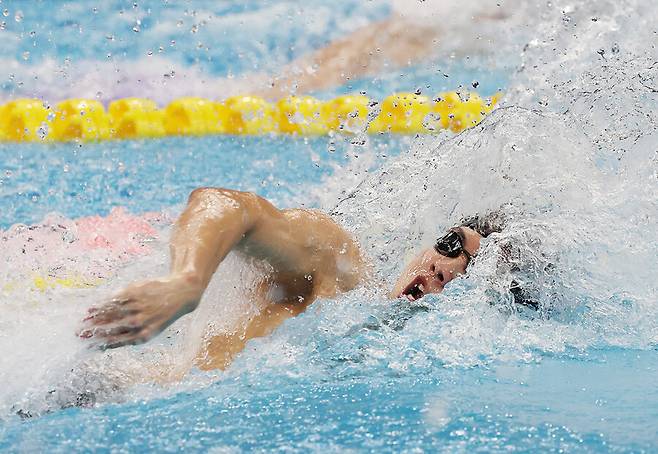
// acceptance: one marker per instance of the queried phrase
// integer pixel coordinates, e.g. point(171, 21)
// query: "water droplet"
point(194, 29)
point(42, 131)
point(26, 55)
point(3, 25)
point(149, 53)
point(5, 12)
point(138, 26)
point(109, 37)
point(18, 17)
point(475, 84)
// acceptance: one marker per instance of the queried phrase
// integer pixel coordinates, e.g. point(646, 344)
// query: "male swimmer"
point(310, 256)
point(413, 32)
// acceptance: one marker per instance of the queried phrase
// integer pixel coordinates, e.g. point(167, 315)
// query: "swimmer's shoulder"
point(332, 242)
point(324, 227)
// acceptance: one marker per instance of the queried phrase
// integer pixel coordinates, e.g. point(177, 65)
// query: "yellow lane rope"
point(31, 120)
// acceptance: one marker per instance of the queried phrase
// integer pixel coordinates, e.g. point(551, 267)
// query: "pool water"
point(150, 175)
point(553, 405)
point(462, 371)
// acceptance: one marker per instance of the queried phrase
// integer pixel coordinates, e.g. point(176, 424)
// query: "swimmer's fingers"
point(106, 333)
point(123, 336)
point(119, 343)
point(131, 331)
point(104, 338)
point(117, 301)
point(110, 312)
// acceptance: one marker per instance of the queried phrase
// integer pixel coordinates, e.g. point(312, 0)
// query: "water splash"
point(570, 162)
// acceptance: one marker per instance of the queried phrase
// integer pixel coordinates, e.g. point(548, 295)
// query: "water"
point(149, 175)
point(570, 160)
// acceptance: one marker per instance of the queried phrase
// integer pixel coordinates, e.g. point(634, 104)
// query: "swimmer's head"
point(432, 269)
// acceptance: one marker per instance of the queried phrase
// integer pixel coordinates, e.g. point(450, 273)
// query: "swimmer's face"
point(432, 269)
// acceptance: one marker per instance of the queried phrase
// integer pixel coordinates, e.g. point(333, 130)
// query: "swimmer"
point(414, 32)
point(310, 256)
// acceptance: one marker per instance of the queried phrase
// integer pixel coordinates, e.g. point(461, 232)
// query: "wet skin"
point(310, 256)
point(429, 272)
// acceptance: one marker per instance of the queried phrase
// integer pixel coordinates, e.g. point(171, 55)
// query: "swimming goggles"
point(452, 245)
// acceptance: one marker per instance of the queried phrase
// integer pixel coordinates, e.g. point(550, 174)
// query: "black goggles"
point(452, 245)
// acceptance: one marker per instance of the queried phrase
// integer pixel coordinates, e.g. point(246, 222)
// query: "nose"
point(443, 269)
point(437, 273)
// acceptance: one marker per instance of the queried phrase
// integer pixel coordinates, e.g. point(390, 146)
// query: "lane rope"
point(33, 120)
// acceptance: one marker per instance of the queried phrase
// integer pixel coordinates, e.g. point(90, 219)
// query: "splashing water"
point(574, 177)
point(570, 162)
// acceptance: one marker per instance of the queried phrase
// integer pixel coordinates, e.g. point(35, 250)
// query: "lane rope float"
point(32, 120)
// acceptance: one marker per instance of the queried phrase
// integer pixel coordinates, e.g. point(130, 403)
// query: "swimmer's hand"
point(140, 312)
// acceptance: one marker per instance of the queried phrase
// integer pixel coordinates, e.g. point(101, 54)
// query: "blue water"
point(86, 179)
point(221, 36)
point(124, 48)
point(328, 380)
point(599, 404)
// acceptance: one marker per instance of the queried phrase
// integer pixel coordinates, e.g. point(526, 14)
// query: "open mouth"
point(415, 290)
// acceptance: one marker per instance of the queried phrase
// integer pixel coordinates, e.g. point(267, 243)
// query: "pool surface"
point(571, 153)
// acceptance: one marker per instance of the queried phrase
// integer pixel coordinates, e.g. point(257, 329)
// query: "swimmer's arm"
point(394, 41)
point(294, 241)
point(220, 349)
point(214, 222)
